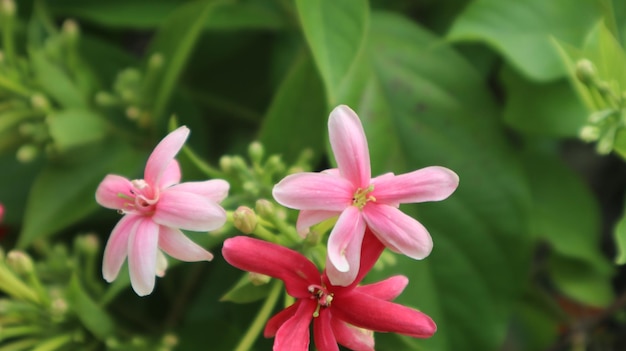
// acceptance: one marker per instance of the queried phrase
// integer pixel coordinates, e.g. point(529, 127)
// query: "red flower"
point(340, 314)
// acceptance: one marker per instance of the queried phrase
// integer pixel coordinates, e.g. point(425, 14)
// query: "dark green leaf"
point(94, 317)
point(57, 83)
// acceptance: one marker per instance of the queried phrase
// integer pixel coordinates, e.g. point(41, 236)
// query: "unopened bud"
point(264, 208)
point(155, 61)
point(274, 165)
point(7, 8)
point(88, 243)
point(605, 144)
point(585, 72)
point(226, 163)
point(258, 279)
point(133, 113)
point(40, 102)
point(599, 116)
point(20, 262)
point(239, 164)
point(170, 340)
point(245, 219)
point(27, 153)
point(589, 133)
point(255, 150)
point(71, 30)
point(106, 99)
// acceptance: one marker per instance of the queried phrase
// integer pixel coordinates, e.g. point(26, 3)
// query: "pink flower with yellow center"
point(360, 201)
point(345, 315)
point(155, 210)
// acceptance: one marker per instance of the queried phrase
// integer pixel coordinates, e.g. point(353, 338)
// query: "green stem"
point(201, 164)
point(20, 345)
point(54, 343)
point(259, 321)
point(609, 17)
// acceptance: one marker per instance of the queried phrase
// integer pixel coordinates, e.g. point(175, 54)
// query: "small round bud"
point(226, 163)
point(40, 102)
point(258, 279)
point(88, 243)
point(264, 208)
point(8, 8)
point(585, 72)
point(105, 99)
point(599, 116)
point(20, 262)
point(27, 153)
point(133, 113)
point(170, 340)
point(605, 144)
point(239, 164)
point(70, 29)
point(255, 150)
point(156, 61)
point(274, 165)
point(245, 219)
point(589, 133)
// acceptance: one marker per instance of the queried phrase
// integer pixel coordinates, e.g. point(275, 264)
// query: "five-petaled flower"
point(155, 209)
point(360, 202)
point(341, 314)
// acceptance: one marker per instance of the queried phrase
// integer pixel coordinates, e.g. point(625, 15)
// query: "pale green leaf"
point(75, 127)
point(93, 316)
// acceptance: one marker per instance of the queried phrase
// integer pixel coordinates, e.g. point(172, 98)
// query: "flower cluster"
point(367, 219)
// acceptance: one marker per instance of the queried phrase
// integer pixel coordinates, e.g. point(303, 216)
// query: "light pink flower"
point(340, 315)
point(155, 209)
point(360, 202)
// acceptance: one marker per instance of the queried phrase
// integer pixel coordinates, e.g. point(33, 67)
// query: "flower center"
point(362, 196)
point(323, 297)
point(142, 200)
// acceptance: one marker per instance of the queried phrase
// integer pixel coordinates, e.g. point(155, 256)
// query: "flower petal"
point(294, 335)
point(349, 144)
point(387, 289)
point(116, 248)
point(111, 189)
point(344, 247)
point(314, 191)
point(375, 314)
point(163, 154)
point(170, 176)
point(323, 332)
point(184, 210)
point(371, 249)
point(274, 323)
point(426, 184)
point(357, 339)
point(179, 246)
point(142, 255)
point(215, 189)
point(398, 231)
point(308, 218)
point(161, 263)
point(254, 255)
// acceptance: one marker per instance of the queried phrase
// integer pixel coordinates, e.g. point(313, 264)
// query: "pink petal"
point(387, 289)
point(314, 191)
point(215, 190)
point(426, 184)
point(110, 189)
point(163, 154)
point(344, 246)
point(398, 231)
point(357, 339)
point(274, 323)
point(171, 175)
point(254, 255)
point(293, 335)
point(142, 255)
point(116, 248)
point(371, 249)
point(323, 332)
point(180, 209)
point(308, 218)
point(375, 314)
point(179, 246)
point(349, 144)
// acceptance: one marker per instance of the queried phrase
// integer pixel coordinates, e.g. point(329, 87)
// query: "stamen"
point(323, 297)
point(361, 197)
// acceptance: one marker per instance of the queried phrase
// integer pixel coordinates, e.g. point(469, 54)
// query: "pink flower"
point(345, 315)
point(155, 209)
point(360, 202)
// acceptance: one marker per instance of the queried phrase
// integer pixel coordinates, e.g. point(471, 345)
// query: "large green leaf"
point(521, 30)
point(93, 316)
point(296, 118)
point(550, 109)
point(75, 127)
point(335, 31)
point(63, 193)
point(422, 104)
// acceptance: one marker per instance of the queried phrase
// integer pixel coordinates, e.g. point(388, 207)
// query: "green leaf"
point(620, 240)
point(422, 104)
point(56, 82)
point(581, 281)
point(175, 41)
point(521, 30)
point(335, 32)
point(296, 118)
point(244, 291)
point(63, 193)
point(93, 317)
point(536, 324)
point(73, 128)
point(548, 109)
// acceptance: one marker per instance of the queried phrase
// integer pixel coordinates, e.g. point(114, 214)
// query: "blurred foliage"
point(489, 88)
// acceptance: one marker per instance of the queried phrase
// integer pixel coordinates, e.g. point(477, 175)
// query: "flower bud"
point(274, 165)
point(258, 279)
point(264, 208)
point(226, 163)
point(585, 72)
point(245, 219)
point(155, 62)
point(104, 98)
point(20, 262)
point(7, 8)
point(133, 113)
point(40, 102)
point(589, 133)
point(255, 150)
point(88, 243)
point(27, 153)
point(70, 30)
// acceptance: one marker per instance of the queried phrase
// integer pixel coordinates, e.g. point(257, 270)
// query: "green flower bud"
point(133, 113)
point(27, 153)
point(245, 219)
point(20, 262)
point(258, 279)
point(70, 30)
point(88, 243)
point(156, 61)
point(40, 102)
point(589, 133)
point(226, 163)
point(7, 8)
point(585, 72)
point(255, 150)
point(264, 208)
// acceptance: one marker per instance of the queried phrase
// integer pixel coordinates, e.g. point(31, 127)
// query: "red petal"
point(294, 335)
point(323, 332)
point(274, 323)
